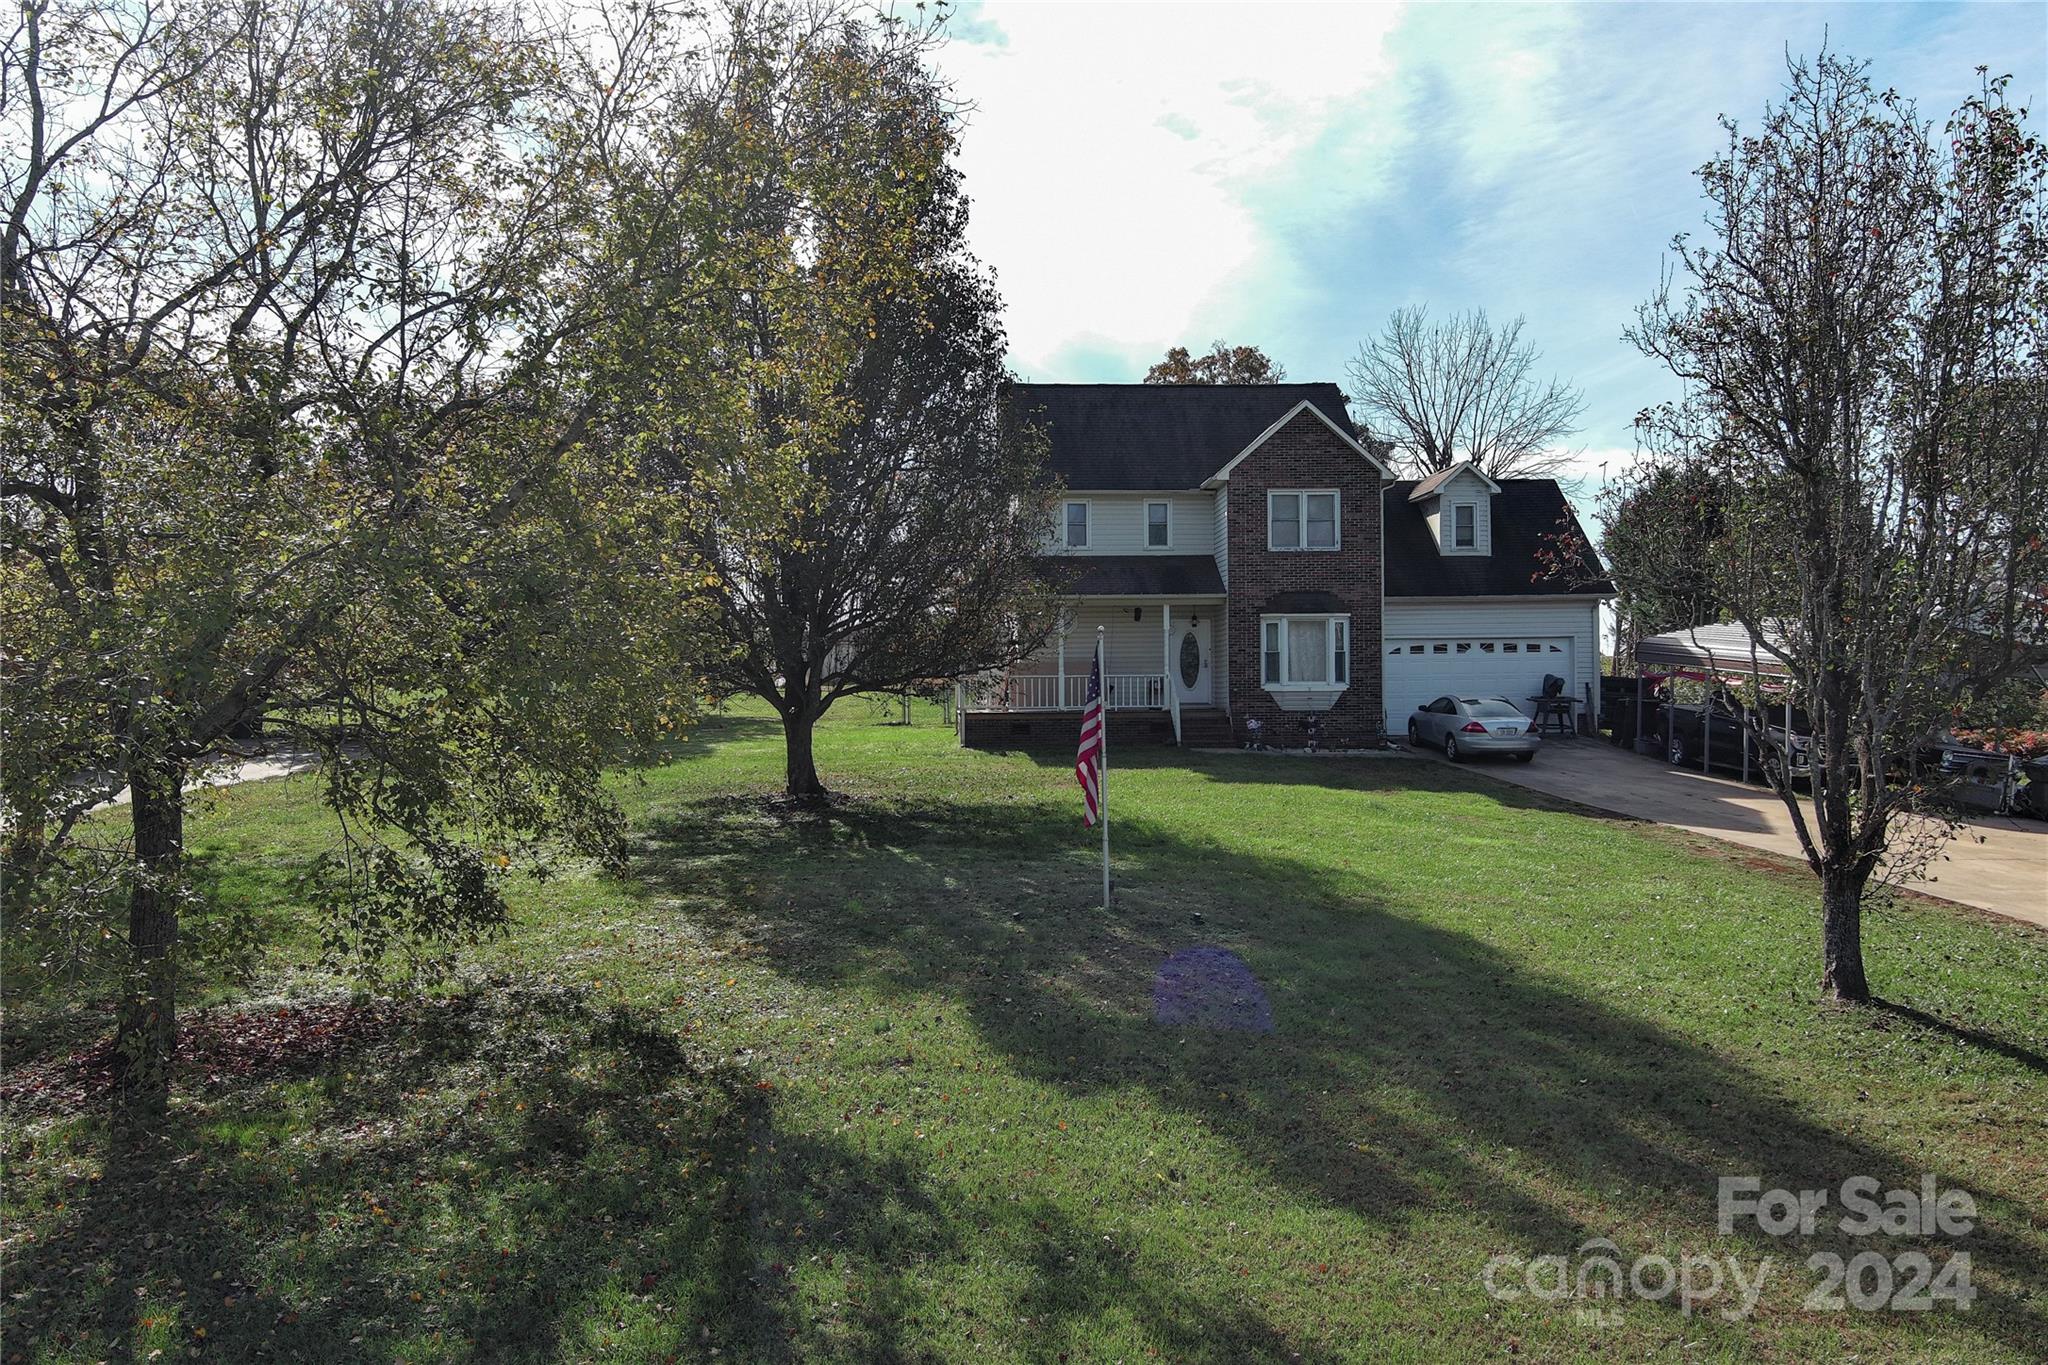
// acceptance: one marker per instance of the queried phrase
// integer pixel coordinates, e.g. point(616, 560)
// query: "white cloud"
point(1113, 151)
point(1153, 175)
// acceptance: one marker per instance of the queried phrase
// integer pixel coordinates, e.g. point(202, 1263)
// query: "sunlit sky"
point(1153, 175)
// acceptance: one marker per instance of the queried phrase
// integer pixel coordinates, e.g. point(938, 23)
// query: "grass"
point(885, 1083)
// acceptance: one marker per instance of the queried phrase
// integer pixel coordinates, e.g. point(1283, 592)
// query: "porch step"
point(1206, 727)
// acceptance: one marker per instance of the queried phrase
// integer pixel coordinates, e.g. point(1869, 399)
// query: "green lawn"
point(887, 1084)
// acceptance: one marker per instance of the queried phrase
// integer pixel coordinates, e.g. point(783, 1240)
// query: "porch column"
point(1166, 668)
point(1059, 701)
point(1171, 694)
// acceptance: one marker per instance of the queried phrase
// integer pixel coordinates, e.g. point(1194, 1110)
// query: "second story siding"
point(1223, 534)
point(1117, 524)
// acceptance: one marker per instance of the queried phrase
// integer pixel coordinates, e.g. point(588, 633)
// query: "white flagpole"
point(1102, 771)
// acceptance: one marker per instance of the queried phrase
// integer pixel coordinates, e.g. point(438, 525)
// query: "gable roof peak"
point(1223, 475)
point(1159, 437)
point(1430, 486)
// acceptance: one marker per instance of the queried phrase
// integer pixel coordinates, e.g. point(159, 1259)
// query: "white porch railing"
point(1041, 692)
point(1134, 691)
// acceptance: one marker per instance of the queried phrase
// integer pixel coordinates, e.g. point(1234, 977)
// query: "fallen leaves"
point(212, 1047)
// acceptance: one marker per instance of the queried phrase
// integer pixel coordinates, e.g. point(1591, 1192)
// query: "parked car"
point(1971, 778)
point(1469, 727)
point(2033, 797)
point(1687, 731)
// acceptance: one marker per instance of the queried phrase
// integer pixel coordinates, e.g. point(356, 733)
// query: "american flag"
point(1088, 761)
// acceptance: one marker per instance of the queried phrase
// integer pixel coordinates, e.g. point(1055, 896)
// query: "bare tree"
point(1224, 364)
point(1864, 346)
point(1463, 390)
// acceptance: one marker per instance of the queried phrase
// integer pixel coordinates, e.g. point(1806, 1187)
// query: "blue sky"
point(1154, 175)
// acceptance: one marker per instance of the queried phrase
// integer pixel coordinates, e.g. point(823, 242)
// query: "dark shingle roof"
point(1527, 514)
point(1135, 575)
point(1159, 436)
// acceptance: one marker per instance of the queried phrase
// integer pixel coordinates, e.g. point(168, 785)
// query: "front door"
point(1190, 663)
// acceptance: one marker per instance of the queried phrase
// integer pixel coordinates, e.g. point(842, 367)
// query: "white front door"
point(1189, 663)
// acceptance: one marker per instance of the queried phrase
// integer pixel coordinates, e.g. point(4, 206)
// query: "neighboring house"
point(1248, 558)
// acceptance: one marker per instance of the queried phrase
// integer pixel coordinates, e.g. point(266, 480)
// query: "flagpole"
point(1102, 773)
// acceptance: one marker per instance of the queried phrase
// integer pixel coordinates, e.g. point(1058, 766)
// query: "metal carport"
point(1708, 650)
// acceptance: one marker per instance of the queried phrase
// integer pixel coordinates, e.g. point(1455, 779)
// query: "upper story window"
point(1074, 526)
point(1158, 525)
point(1302, 519)
point(1465, 526)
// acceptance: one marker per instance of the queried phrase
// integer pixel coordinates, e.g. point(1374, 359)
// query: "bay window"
point(1305, 652)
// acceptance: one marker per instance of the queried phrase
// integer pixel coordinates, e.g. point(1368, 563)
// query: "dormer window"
point(1465, 526)
point(1075, 526)
point(1454, 501)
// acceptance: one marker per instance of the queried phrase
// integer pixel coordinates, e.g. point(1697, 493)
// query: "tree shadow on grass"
point(1414, 1068)
point(1963, 1033)
point(467, 1176)
point(520, 1175)
point(870, 1235)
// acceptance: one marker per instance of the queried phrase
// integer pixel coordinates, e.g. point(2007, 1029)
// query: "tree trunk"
point(148, 1030)
point(1841, 930)
point(800, 771)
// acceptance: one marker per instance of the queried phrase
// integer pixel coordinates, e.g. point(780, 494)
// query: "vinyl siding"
point(1464, 488)
point(1131, 646)
point(1222, 501)
point(1116, 523)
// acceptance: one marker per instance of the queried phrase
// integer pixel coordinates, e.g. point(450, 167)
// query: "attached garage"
point(1421, 669)
point(1482, 597)
point(1436, 647)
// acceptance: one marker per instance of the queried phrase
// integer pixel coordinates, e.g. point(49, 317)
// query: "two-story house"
point(1247, 558)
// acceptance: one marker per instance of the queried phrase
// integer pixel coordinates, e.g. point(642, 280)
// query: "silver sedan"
point(1469, 727)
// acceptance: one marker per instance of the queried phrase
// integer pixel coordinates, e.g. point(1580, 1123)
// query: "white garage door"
point(1421, 670)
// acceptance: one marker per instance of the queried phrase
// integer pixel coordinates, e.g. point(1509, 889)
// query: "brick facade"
point(1306, 454)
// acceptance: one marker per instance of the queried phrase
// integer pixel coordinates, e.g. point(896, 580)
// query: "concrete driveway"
point(231, 770)
point(1996, 863)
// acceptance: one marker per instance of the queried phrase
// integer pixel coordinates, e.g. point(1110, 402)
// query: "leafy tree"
point(1658, 532)
point(284, 287)
point(1224, 364)
point(1463, 389)
point(1863, 342)
point(861, 512)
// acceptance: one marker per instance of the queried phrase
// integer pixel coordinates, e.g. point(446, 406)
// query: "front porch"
point(1163, 664)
